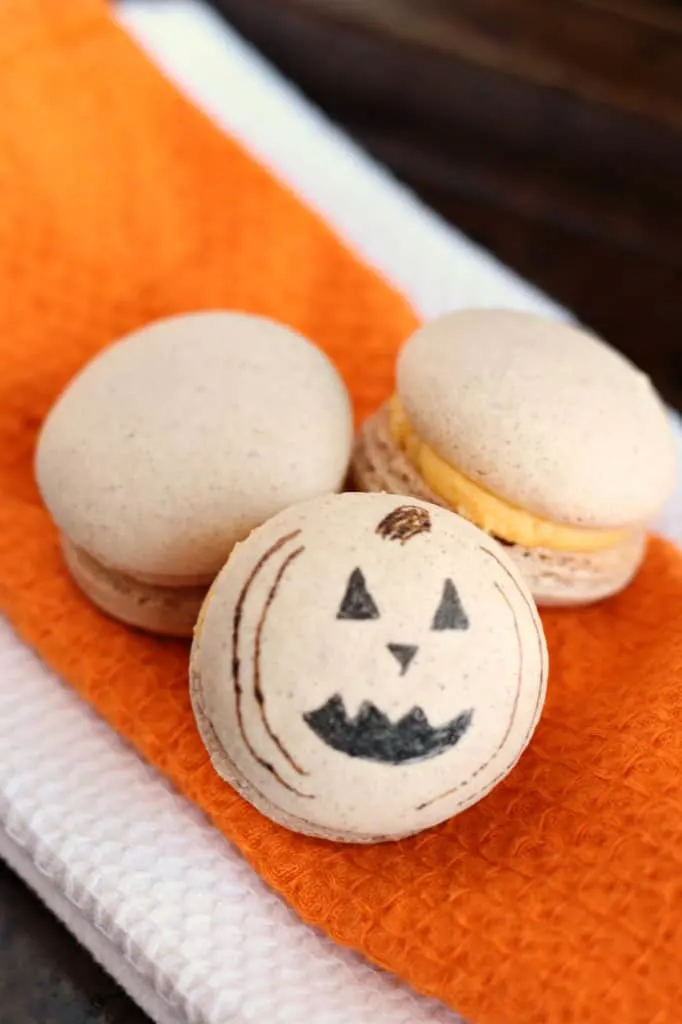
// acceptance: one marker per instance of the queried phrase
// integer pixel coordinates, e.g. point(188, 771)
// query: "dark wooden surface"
point(45, 976)
point(549, 132)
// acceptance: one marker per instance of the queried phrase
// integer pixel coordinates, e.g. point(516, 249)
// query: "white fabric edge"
point(46, 886)
point(437, 269)
point(174, 903)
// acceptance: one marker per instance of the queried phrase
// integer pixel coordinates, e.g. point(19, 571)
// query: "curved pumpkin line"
point(236, 660)
point(257, 688)
point(512, 716)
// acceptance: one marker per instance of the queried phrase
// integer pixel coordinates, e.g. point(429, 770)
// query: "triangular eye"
point(450, 614)
point(357, 601)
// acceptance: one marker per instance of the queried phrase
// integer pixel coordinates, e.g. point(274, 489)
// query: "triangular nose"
point(403, 654)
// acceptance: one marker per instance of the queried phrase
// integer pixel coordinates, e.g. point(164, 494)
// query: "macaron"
point(175, 442)
point(538, 432)
point(366, 666)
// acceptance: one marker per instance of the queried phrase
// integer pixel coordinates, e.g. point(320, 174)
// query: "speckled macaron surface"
point(541, 413)
point(366, 666)
point(173, 443)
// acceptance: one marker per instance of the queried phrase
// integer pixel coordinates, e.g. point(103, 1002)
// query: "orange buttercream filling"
point(487, 510)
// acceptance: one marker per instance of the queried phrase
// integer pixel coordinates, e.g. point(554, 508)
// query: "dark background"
point(548, 131)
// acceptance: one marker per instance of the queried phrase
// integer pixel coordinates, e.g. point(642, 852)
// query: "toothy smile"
point(371, 735)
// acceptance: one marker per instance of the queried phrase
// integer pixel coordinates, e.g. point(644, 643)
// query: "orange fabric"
point(556, 899)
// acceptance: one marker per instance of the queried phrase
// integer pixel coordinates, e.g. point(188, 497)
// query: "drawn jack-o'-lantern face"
point(366, 667)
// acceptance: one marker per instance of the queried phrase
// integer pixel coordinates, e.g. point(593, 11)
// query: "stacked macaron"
point(341, 651)
point(539, 433)
point(173, 444)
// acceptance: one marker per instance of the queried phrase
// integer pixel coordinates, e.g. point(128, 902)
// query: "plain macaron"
point(536, 430)
point(173, 443)
point(366, 666)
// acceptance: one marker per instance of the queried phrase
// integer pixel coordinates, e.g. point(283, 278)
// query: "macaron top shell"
point(541, 413)
point(367, 665)
point(173, 443)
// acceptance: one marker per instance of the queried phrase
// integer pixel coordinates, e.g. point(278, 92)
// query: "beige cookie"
point(173, 443)
point(366, 666)
point(536, 431)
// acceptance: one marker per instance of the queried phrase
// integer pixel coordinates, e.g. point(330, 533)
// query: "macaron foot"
point(556, 578)
point(569, 578)
point(169, 611)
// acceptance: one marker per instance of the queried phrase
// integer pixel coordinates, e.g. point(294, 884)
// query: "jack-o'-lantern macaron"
point(366, 666)
point(539, 433)
point(176, 441)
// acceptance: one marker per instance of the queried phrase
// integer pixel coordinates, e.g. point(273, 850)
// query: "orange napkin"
point(556, 899)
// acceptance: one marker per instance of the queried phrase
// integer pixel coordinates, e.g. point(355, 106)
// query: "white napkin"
point(165, 904)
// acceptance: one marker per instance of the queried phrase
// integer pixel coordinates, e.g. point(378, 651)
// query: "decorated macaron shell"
point(539, 433)
point(366, 666)
point(174, 443)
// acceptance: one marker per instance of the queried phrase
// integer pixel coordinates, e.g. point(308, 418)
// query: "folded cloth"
point(555, 899)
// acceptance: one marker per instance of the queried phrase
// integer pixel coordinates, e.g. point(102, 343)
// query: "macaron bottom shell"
point(556, 578)
point(166, 610)
point(565, 578)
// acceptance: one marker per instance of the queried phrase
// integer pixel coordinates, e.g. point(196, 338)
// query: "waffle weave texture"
point(156, 893)
point(559, 897)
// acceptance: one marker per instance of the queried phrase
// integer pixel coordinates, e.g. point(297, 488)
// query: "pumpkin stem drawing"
point(405, 522)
